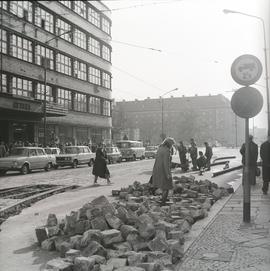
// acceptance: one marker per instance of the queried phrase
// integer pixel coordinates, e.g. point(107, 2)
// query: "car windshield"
point(123, 145)
point(109, 150)
point(19, 152)
point(70, 150)
point(151, 148)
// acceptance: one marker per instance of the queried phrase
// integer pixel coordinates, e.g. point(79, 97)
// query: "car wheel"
point(3, 172)
point(48, 167)
point(75, 164)
point(25, 169)
point(119, 160)
point(55, 166)
point(91, 163)
point(134, 157)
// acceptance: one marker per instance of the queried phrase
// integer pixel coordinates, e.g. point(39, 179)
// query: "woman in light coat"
point(161, 175)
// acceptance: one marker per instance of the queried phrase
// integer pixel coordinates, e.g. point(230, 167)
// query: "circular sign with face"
point(246, 70)
point(247, 102)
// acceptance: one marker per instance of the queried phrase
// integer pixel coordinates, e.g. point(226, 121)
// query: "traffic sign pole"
point(246, 182)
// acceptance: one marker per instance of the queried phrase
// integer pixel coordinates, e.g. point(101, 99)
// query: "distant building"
point(72, 40)
point(204, 118)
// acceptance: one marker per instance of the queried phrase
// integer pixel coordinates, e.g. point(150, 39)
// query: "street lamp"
point(162, 113)
point(45, 62)
point(227, 11)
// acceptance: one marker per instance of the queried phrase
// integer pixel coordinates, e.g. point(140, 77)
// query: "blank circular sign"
point(247, 102)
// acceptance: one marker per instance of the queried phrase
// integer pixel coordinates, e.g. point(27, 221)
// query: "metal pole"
point(236, 131)
point(44, 103)
point(246, 187)
point(162, 128)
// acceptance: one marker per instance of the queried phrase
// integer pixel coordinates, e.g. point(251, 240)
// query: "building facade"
point(55, 72)
point(204, 118)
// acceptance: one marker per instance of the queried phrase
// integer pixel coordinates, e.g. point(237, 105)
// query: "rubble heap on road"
point(134, 233)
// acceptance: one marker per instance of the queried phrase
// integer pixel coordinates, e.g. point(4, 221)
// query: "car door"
point(32, 159)
point(86, 152)
point(80, 155)
point(42, 159)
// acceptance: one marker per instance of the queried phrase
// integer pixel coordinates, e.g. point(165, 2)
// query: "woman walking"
point(100, 168)
point(161, 175)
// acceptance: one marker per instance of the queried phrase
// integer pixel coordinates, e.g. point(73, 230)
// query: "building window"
point(106, 53)
point(44, 19)
point(41, 53)
point(22, 9)
point(40, 92)
point(80, 39)
point(63, 64)
point(21, 87)
point(94, 75)
point(3, 5)
point(80, 102)
point(94, 105)
point(106, 26)
point(3, 41)
point(106, 80)
point(3, 86)
point(63, 27)
point(64, 98)
point(93, 17)
point(106, 108)
point(94, 46)
point(79, 70)
point(66, 3)
point(80, 8)
point(21, 48)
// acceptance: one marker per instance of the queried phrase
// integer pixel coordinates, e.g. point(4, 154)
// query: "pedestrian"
point(2, 149)
point(161, 175)
point(182, 156)
point(100, 168)
point(253, 156)
point(201, 161)
point(193, 151)
point(208, 154)
point(265, 156)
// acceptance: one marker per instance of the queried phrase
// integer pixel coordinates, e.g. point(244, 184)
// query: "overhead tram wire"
point(139, 5)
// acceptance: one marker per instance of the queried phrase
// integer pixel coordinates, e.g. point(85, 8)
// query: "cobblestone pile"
point(134, 233)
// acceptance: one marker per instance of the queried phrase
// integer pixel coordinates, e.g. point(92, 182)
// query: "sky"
point(160, 45)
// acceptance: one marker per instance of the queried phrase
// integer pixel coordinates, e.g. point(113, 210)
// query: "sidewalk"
point(229, 244)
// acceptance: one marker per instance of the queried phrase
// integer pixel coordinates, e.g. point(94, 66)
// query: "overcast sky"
point(194, 46)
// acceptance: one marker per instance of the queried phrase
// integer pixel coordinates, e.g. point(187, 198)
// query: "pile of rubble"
point(134, 233)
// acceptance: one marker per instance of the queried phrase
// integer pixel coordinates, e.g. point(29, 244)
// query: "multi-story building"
point(56, 53)
point(204, 118)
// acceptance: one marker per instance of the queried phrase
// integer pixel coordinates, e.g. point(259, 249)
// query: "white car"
point(74, 156)
point(51, 153)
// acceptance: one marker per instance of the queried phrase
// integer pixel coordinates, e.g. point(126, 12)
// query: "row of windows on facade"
point(27, 50)
point(60, 27)
point(69, 99)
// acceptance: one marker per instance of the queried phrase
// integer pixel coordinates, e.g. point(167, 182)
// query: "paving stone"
point(127, 229)
point(83, 264)
point(75, 241)
point(99, 223)
point(105, 267)
point(159, 258)
point(175, 249)
point(129, 268)
point(48, 244)
point(177, 235)
point(113, 221)
point(70, 222)
point(117, 262)
point(94, 248)
point(110, 237)
point(59, 265)
point(149, 266)
point(158, 244)
point(98, 259)
point(136, 258)
point(124, 246)
point(51, 220)
point(53, 230)
point(63, 248)
point(71, 254)
point(81, 226)
point(89, 236)
point(133, 206)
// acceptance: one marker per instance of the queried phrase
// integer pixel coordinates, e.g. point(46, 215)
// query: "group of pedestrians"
point(199, 162)
point(253, 157)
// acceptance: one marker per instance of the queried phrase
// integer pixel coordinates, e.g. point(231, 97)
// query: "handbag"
point(258, 172)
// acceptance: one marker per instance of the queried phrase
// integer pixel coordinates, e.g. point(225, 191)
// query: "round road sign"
point(246, 70)
point(247, 102)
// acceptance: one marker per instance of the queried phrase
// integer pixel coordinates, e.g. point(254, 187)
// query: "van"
point(131, 150)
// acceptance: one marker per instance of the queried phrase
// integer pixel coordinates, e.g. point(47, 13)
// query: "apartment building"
point(55, 72)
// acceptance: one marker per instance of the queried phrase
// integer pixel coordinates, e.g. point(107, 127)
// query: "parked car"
point(52, 152)
point(74, 156)
point(131, 150)
point(151, 151)
point(113, 155)
point(25, 159)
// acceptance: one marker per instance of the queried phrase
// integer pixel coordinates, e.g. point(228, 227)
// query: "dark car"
point(113, 155)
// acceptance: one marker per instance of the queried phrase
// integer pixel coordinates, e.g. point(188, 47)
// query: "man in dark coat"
point(100, 168)
point(208, 154)
point(161, 175)
point(253, 156)
point(182, 155)
point(193, 151)
point(265, 155)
